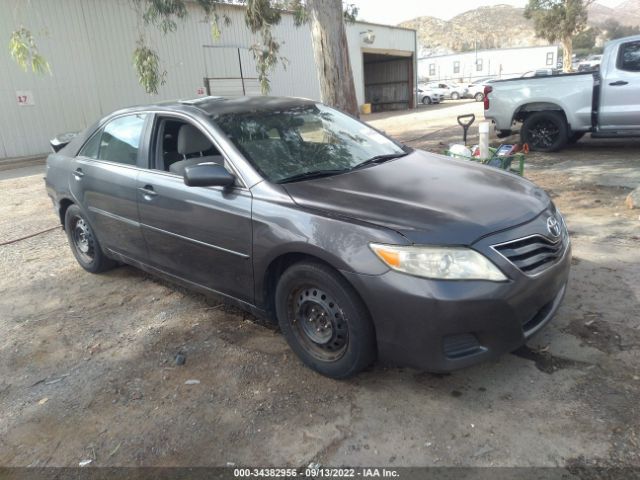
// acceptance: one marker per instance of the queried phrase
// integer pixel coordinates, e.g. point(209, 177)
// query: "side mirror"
point(208, 175)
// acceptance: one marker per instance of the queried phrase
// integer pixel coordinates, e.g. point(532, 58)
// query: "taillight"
point(487, 90)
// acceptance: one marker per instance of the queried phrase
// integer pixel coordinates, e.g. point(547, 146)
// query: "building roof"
point(488, 50)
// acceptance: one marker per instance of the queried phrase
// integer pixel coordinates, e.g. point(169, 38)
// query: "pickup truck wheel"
point(544, 131)
point(426, 101)
point(455, 96)
point(324, 321)
point(479, 97)
point(83, 242)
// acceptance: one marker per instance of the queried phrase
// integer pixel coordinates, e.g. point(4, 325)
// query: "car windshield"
point(298, 142)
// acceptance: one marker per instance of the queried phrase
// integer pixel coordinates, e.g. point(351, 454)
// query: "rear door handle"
point(148, 192)
point(78, 174)
point(619, 83)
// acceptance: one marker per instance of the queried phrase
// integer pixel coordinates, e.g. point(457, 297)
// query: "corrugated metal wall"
point(89, 44)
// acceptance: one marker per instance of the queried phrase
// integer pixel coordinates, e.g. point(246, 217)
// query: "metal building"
point(502, 62)
point(89, 44)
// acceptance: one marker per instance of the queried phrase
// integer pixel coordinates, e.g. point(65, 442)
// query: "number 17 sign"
point(25, 98)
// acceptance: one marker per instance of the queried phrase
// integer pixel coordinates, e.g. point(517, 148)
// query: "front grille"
point(533, 254)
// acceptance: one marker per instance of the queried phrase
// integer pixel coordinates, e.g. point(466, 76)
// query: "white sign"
point(25, 98)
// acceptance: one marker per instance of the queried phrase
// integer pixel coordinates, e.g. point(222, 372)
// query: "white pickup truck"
point(559, 109)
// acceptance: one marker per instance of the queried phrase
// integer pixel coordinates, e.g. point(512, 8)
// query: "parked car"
point(359, 247)
point(449, 90)
point(556, 110)
point(591, 63)
point(427, 96)
point(475, 89)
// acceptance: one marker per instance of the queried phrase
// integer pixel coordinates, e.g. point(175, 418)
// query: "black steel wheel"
point(479, 97)
point(83, 242)
point(318, 322)
point(324, 320)
point(545, 131)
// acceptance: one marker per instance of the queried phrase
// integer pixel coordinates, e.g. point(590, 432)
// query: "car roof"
point(214, 106)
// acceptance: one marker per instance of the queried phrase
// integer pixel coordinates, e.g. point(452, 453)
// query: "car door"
point(620, 99)
point(199, 234)
point(103, 182)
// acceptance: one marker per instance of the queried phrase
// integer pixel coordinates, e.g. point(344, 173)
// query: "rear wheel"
point(324, 321)
point(455, 96)
point(83, 242)
point(544, 131)
point(479, 97)
point(426, 100)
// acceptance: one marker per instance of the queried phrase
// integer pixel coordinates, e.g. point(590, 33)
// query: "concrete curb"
point(13, 163)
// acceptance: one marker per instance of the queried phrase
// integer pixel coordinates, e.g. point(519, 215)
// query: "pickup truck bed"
point(558, 109)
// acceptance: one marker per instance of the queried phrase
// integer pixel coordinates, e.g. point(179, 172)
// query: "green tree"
point(586, 40)
point(614, 29)
point(325, 18)
point(559, 20)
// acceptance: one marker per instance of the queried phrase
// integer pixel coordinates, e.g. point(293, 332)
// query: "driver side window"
point(179, 144)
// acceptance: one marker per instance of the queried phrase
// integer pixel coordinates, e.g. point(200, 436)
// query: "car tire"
point(426, 100)
point(544, 131)
point(84, 243)
point(455, 96)
point(324, 320)
point(574, 137)
point(479, 97)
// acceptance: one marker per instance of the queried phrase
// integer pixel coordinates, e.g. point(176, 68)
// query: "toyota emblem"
point(553, 226)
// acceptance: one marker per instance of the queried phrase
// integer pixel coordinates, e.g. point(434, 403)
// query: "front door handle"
point(78, 174)
point(619, 83)
point(148, 192)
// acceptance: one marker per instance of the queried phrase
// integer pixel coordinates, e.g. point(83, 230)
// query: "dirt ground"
point(88, 370)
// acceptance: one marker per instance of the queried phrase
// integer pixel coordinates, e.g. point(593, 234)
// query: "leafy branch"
point(24, 50)
point(147, 65)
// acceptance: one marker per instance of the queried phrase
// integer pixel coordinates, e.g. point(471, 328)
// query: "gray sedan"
point(359, 247)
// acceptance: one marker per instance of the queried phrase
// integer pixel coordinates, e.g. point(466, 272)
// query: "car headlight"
point(446, 263)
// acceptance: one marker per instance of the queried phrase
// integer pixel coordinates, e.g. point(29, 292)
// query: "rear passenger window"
point(90, 149)
point(629, 57)
point(118, 141)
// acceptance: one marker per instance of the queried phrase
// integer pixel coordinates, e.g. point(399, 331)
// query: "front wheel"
point(455, 96)
point(426, 100)
point(324, 320)
point(84, 243)
point(544, 131)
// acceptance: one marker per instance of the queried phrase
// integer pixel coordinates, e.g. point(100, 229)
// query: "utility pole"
point(475, 43)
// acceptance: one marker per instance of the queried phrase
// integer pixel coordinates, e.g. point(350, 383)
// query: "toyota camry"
point(359, 247)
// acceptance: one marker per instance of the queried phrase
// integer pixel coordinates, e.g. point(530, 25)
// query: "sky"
point(392, 12)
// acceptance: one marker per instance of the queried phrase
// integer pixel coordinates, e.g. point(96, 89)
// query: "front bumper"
point(439, 325)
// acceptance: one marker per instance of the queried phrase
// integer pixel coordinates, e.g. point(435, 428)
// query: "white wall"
point(89, 44)
point(388, 40)
point(499, 62)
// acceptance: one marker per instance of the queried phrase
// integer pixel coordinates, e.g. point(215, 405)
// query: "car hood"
point(429, 198)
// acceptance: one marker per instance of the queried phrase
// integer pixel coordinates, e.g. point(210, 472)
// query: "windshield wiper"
point(312, 174)
point(380, 159)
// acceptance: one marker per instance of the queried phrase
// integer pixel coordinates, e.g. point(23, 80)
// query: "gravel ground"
point(88, 367)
